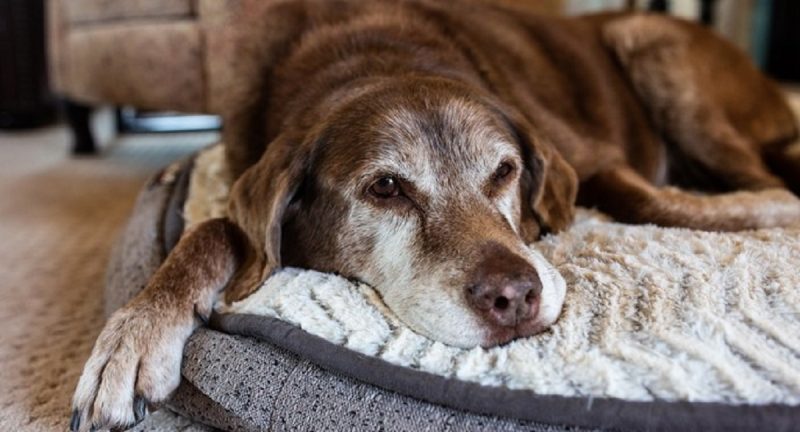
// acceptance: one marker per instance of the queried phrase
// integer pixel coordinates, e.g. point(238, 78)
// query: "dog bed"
point(662, 329)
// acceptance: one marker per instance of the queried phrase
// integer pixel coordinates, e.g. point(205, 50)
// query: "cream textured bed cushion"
point(650, 313)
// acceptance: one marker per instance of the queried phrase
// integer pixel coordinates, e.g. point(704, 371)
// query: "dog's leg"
point(626, 196)
point(705, 97)
point(136, 359)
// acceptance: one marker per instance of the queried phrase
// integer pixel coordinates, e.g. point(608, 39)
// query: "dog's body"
point(419, 146)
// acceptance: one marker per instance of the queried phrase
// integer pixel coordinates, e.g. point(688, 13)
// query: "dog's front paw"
point(135, 363)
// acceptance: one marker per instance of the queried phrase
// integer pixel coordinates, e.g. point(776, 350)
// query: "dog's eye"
point(502, 171)
point(385, 187)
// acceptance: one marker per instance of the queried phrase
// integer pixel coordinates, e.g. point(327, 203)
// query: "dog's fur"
point(330, 96)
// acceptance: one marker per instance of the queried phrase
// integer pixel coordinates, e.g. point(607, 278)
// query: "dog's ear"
point(554, 189)
point(257, 204)
point(549, 185)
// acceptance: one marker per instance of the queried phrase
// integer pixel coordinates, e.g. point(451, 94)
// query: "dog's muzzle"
point(505, 292)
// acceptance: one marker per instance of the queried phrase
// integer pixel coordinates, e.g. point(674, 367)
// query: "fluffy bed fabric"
point(650, 313)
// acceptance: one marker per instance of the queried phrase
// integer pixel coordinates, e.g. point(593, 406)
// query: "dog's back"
point(553, 70)
point(563, 74)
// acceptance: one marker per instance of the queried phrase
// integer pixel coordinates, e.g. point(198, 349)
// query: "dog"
point(419, 146)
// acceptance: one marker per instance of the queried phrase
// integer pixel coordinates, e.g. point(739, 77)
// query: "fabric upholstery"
point(94, 11)
point(269, 388)
point(140, 247)
point(143, 53)
point(148, 65)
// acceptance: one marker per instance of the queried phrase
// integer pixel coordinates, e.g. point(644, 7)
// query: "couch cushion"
point(92, 11)
point(156, 65)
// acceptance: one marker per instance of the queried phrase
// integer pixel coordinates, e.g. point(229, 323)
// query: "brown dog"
point(419, 146)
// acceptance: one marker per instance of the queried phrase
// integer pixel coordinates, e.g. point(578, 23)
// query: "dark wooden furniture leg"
point(707, 12)
point(658, 5)
point(78, 119)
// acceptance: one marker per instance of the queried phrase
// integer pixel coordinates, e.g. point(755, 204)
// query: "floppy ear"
point(549, 186)
point(257, 204)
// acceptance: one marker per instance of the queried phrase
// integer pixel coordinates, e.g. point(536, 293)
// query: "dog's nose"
point(504, 290)
point(506, 300)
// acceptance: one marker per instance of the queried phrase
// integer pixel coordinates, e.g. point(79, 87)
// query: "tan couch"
point(152, 54)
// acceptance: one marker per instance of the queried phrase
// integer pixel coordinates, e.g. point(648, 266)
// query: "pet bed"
point(663, 329)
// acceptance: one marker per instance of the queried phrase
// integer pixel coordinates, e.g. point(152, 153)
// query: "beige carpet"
point(58, 218)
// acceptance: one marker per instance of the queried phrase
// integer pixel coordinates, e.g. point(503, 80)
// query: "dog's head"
point(428, 191)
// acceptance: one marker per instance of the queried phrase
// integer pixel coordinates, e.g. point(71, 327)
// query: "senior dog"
point(419, 146)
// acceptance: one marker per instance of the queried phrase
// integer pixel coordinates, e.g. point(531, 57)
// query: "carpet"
point(58, 219)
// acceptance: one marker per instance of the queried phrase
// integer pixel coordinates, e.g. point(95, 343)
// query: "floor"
point(58, 218)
